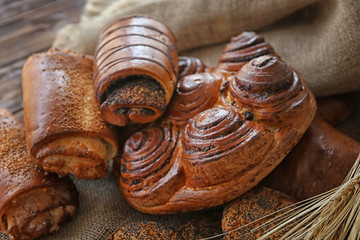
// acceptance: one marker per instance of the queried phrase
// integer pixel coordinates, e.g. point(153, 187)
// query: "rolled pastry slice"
point(242, 49)
point(135, 70)
point(267, 90)
point(32, 203)
point(65, 132)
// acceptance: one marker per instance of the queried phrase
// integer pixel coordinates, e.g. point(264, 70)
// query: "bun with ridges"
point(242, 49)
point(227, 134)
point(135, 70)
point(270, 90)
point(194, 94)
point(190, 65)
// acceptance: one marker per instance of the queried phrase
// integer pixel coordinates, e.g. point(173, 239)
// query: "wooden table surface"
point(26, 27)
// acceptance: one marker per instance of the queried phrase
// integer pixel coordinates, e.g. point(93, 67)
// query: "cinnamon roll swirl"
point(219, 144)
point(150, 172)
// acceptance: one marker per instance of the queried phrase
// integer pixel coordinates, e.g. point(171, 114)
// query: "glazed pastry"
point(65, 132)
point(225, 142)
point(256, 208)
point(190, 65)
point(196, 91)
point(319, 162)
point(242, 49)
point(135, 70)
point(32, 203)
point(145, 230)
point(194, 94)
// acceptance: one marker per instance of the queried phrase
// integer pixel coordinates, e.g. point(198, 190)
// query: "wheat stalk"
point(332, 215)
point(335, 216)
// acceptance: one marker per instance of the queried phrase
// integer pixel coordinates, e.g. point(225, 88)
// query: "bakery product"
point(65, 132)
point(256, 213)
point(32, 203)
point(209, 153)
point(145, 230)
point(190, 65)
point(135, 70)
point(194, 94)
point(319, 162)
point(242, 49)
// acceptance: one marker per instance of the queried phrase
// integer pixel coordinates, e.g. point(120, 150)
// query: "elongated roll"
point(319, 162)
point(32, 203)
point(65, 132)
point(135, 70)
point(218, 140)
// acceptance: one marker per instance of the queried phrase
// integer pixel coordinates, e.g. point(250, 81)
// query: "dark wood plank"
point(26, 27)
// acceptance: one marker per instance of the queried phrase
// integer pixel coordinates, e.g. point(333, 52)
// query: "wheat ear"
point(331, 215)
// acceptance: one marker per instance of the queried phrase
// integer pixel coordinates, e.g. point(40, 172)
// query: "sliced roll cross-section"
point(65, 130)
point(32, 203)
point(135, 70)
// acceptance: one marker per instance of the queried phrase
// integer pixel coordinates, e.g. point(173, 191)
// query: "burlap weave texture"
point(321, 39)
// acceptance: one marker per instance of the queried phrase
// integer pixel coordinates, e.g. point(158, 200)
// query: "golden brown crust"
point(242, 49)
point(256, 207)
point(22, 181)
point(60, 110)
point(150, 172)
point(270, 91)
point(128, 50)
point(225, 149)
point(318, 163)
point(190, 65)
point(145, 230)
point(194, 94)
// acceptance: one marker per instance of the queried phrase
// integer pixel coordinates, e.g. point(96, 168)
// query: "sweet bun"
point(219, 138)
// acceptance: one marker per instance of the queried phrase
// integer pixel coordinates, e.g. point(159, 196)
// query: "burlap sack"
point(321, 39)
